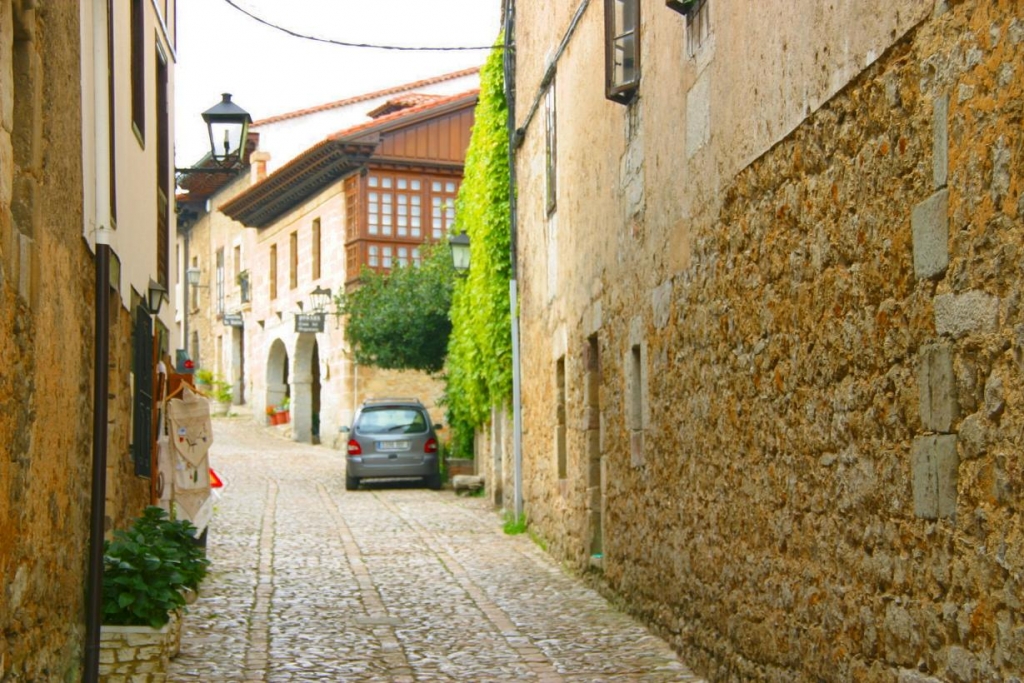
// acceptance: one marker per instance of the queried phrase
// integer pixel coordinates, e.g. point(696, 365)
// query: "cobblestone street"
point(391, 583)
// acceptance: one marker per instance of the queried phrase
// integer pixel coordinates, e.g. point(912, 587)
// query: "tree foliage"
point(479, 366)
point(399, 320)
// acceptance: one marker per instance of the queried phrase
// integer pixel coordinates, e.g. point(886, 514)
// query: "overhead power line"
point(406, 48)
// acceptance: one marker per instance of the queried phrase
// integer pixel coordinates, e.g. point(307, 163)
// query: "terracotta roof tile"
point(369, 96)
point(401, 113)
point(263, 202)
point(398, 103)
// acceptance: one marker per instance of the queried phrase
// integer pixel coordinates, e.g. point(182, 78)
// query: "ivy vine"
point(479, 363)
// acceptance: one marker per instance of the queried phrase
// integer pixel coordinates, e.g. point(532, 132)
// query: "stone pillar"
point(302, 409)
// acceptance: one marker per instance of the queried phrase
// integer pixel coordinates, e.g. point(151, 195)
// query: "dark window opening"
point(622, 49)
point(163, 173)
point(220, 276)
point(138, 56)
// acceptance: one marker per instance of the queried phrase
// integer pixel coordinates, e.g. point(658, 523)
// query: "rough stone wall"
point(46, 331)
point(823, 479)
point(46, 328)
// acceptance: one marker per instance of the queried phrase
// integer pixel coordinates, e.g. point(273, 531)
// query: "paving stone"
point(311, 582)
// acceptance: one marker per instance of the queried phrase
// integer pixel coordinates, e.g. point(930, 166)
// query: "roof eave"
point(262, 204)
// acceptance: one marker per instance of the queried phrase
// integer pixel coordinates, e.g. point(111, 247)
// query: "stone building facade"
point(72, 161)
point(772, 333)
point(307, 226)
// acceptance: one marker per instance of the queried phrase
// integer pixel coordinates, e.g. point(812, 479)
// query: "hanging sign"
point(309, 322)
point(233, 320)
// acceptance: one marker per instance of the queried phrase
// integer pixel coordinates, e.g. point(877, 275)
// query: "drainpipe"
point(513, 141)
point(94, 600)
point(184, 291)
point(101, 345)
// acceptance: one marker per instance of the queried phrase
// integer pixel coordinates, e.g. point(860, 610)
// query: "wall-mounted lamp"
point(320, 299)
point(157, 295)
point(459, 245)
point(228, 127)
point(682, 6)
point(193, 277)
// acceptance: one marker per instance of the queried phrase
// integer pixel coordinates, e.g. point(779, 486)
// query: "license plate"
point(391, 446)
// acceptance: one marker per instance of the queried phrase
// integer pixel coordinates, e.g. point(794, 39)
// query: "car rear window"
point(391, 421)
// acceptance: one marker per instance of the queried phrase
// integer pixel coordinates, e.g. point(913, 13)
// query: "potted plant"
point(285, 410)
point(146, 571)
point(271, 415)
point(221, 392)
point(204, 379)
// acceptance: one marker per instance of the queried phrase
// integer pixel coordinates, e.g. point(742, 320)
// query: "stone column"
point(302, 404)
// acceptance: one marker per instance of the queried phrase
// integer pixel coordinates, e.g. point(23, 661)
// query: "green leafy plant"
point(221, 390)
point(146, 567)
point(399, 320)
point(204, 376)
point(478, 371)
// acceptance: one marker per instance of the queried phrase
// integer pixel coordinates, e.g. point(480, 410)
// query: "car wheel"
point(433, 481)
point(351, 483)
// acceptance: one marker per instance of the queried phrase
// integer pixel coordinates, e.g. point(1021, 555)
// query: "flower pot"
point(286, 416)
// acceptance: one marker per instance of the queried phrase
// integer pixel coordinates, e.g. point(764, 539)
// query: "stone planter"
point(460, 466)
point(139, 653)
point(220, 408)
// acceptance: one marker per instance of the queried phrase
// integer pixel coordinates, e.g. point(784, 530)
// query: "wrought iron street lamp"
point(320, 299)
point(228, 127)
point(459, 245)
point(157, 296)
point(228, 124)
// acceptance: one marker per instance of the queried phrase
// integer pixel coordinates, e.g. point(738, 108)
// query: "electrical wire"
point(343, 43)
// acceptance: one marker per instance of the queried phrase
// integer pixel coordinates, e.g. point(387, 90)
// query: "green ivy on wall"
point(479, 365)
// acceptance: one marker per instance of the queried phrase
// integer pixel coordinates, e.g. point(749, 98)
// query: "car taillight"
point(430, 446)
point(354, 448)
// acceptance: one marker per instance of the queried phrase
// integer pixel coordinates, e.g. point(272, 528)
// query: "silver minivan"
point(392, 438)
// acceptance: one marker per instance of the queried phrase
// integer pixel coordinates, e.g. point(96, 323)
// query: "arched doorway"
point(278, 388)
point(306, 390)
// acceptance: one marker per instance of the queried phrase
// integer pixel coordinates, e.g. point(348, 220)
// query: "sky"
point(269, 72)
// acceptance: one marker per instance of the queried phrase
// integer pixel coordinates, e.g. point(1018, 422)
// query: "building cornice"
point(336, 157)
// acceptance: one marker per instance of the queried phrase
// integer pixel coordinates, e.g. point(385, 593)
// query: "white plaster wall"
point(134, 240)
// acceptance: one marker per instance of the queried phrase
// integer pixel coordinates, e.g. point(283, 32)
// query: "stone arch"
point(277, 374)
point(306, 389)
